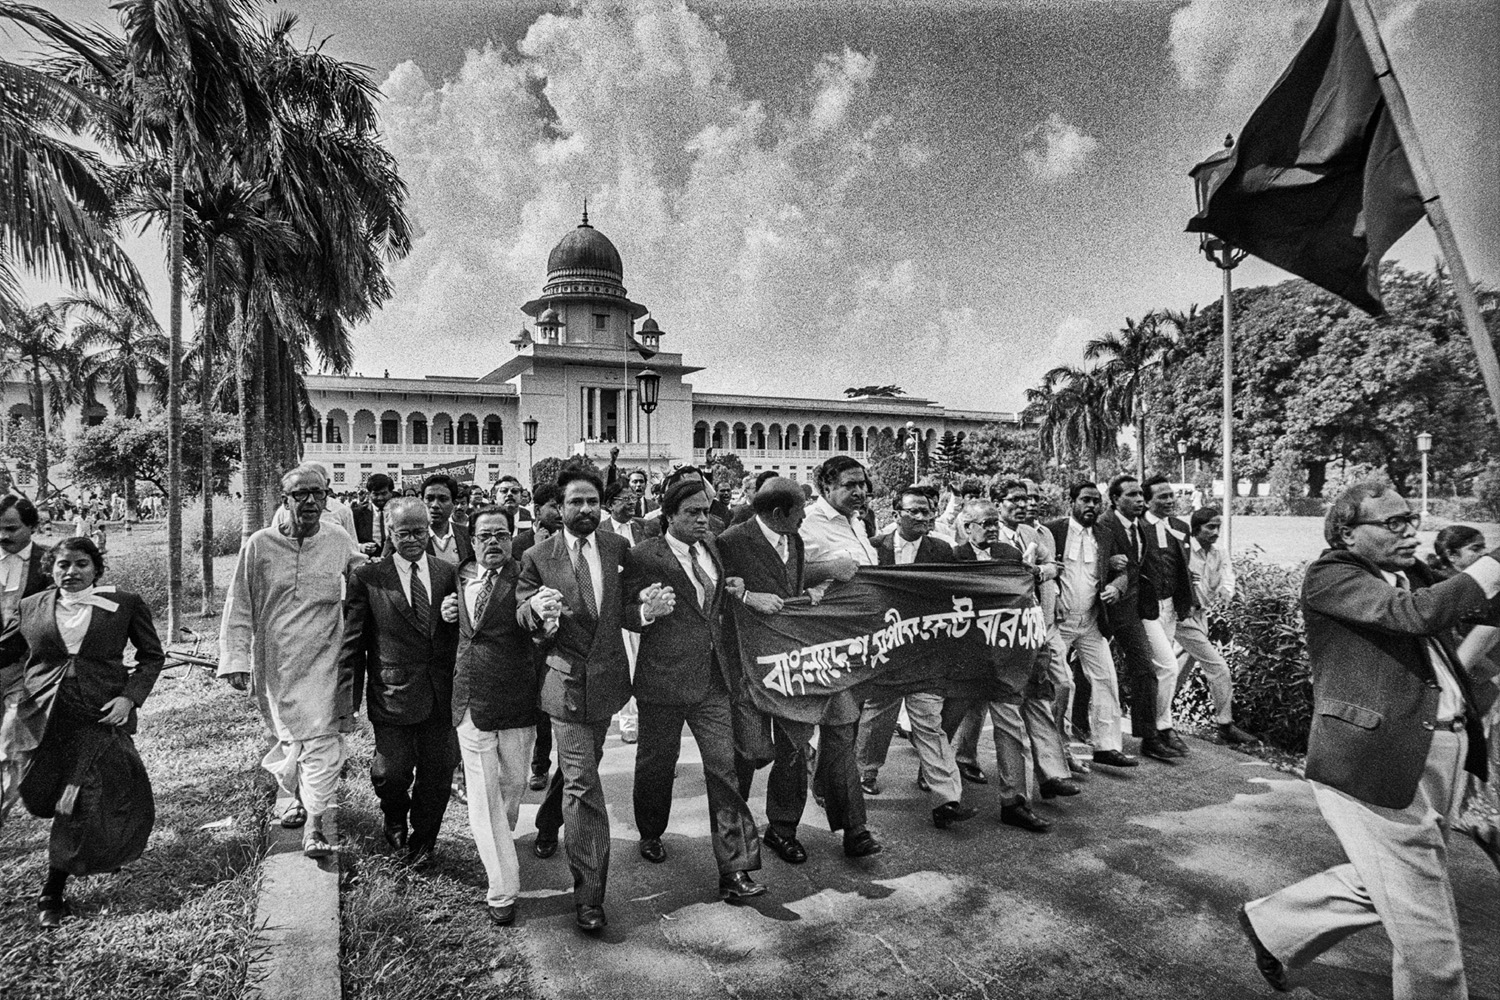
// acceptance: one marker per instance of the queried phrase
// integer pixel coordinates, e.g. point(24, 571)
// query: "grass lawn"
point(177, 922)
point(417, 933)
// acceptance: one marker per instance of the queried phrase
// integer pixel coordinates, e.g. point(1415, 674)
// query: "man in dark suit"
point(494, 703)
point(1394, 728)
point(1138, 602)
point(369, 519)
point(1167, 539)
point(23, 572)
point(547, 500)
point(682, 677)
point(937, 770)
point(640, 485)
point(620, 501)
point(570, 595)
point(1092, 579)
point(718, 512)
point(396, 638)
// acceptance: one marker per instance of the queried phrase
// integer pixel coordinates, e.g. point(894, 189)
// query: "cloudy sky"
point(951, 196)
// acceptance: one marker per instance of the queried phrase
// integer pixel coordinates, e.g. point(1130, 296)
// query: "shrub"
point(227, 515)
point(144, 571)
point(1487, 489)
point(1262, 637)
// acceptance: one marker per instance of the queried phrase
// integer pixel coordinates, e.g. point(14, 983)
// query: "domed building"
point(574, 373)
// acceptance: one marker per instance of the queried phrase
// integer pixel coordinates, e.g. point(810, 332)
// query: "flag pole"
point(1437, 216)
point(1226, 533)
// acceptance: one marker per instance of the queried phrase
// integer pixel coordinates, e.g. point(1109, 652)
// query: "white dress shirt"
point(905, 552)
point(13, 573)
point(445, 546)
point(589, 546)
point(1080, 573)
point(1213, 575)
point(404, 567)
point(827, 534)
point(625, 529)
point(686, 557)
point(777, 539)
point(473, 582)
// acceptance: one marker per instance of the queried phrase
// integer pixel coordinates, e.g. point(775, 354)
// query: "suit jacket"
point(682, 655)
point(408, 674)
point(1375, 694)
point(100, 663)
point(999, 552)
point(494, 675)
point(643, 528)
point(588, 675)
point(929, 550)
point(13, 645)
point(747, 555)
point(1171, 561)
point(460, 540)
point(1139, 598)
point(741, 514)
point(1104, 544)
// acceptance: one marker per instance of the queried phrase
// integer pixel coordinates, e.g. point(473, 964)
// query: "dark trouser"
point(753, 746)
point(412, 772)
point(837, 777)
point(541, 753)
point(1138, 678)
point(576, 796)
point(736, 841)
point(1083, 690)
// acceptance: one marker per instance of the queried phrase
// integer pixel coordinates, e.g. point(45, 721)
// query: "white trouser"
point(629, 714)
point(1397, 875)
point(1163, 660)
point(496, 765)
point(1098, 664)
point(1192, 636)
point(308, 769)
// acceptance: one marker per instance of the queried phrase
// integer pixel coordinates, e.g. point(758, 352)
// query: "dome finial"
point(585, 211)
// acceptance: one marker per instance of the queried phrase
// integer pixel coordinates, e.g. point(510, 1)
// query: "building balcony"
point(630, 451)
point(777, 455)
point(319, 449)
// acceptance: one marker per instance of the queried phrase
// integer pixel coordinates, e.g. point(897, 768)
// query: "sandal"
point(294, 815)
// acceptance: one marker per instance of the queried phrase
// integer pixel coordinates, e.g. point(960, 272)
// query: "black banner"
point(968, 629)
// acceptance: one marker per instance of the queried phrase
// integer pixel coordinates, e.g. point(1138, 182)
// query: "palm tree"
point(1072, 406)
point(32, 343)
point(56, 202)
point(1131, 363)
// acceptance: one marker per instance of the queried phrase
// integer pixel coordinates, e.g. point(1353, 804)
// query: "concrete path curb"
point(297, 918)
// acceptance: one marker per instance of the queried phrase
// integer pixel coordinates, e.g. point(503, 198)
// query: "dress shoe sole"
point(544, 848)
point(785, 851)
point(592, 928)
point(655, 858)
point(1024, 825)
point(735, 895)
point(1063, 792)
point(502, 916)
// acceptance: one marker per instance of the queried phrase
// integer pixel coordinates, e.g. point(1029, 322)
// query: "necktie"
point(585, 580)
point(705, 585)
point(1135, 542)
point(483, 599)
point(421, 604)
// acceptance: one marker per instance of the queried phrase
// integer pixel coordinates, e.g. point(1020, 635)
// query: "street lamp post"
point(1181, 460)
point(648, 385)
point(529, 427)
point(911, 442)
point(1424, 445)
point(1226, 258)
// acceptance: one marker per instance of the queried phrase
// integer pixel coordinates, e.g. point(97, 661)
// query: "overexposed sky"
point(951, 197)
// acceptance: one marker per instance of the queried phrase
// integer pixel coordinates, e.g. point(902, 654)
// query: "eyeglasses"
point(409, 536)
point(302, 496)
point(491, 536)
point(1395, 525)
point(993, 522)
point(917, 515)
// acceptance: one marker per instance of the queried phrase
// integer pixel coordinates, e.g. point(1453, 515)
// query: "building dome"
point(585, 249)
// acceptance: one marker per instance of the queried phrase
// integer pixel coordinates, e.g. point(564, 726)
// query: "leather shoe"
point(949, 813)
point(868, 785)
point(396, 835)
point(1171, 739)
point(538, 781)
point(591, 918)
point(50, 910)
point(861, 845)
point(737, 886)
point(544, 847)
point(420, 850)
point(1114, 758)
point(972, 773)
point(652, 850)
point(1269, 965)
point(1157, 750)
point(922, 782)
point(1234, 735)
point(1053, 787)
point(1019, 814)
point(788, 849)
point(502, 916)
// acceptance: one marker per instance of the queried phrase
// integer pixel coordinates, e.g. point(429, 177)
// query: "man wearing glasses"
point(1394, 728)
point(910, 543)
point(282, 631)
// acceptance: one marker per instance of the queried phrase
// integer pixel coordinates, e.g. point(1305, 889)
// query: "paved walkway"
point(1132, 894)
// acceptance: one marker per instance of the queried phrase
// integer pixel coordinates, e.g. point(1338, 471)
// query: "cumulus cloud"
point(729, 219)
point(1056, 149)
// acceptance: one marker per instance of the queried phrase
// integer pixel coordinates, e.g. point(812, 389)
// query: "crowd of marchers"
point(487, 636)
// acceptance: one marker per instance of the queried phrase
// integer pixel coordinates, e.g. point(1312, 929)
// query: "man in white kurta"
point(282, 633)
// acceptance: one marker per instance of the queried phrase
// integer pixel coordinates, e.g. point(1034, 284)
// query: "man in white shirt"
point(449, 542)
point(1213, 583)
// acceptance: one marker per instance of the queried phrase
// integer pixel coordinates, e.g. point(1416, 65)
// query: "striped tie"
point(585, 580)
point(421, 603)
point(483, 600)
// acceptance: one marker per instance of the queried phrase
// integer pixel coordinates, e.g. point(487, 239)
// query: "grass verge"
point(178, 921)
point(417, 933)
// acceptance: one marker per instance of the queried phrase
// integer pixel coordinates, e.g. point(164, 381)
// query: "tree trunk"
point(39, 425)
point(252, 441)
point(206, 393)
point(174, 396)
point(1140, 444)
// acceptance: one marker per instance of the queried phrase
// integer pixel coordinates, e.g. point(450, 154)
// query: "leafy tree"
point(998, 448)
point(1076, 421)
point(726, 470)
point(876, 391)
point(545, 471)
point(945, 455)
point(889, 464)
point(1129, 362)
point(114, 452)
